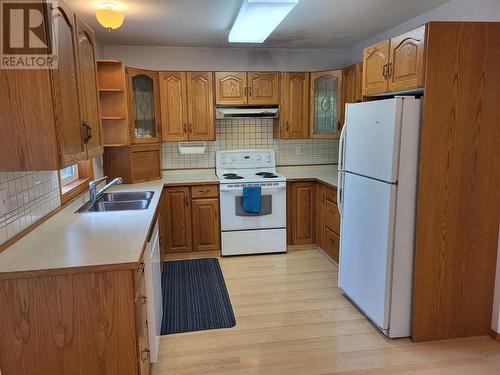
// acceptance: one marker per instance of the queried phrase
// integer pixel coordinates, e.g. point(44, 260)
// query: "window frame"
point(75, 186)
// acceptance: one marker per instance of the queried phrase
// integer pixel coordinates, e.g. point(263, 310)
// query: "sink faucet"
point(94, 194)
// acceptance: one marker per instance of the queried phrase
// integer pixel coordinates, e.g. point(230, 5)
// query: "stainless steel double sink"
point(119, 201)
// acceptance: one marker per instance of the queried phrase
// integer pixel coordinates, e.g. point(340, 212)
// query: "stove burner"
point(229, 174)
point(264, 174)
point(232, 176)
point(270, 176)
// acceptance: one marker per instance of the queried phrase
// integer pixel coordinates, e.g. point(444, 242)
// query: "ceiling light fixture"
point(257, 19)
point(109, 16)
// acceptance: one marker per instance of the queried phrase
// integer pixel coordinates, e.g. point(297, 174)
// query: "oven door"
point(273, 208)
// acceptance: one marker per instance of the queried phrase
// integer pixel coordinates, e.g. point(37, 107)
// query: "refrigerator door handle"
point(342, 147)
point(340, 192)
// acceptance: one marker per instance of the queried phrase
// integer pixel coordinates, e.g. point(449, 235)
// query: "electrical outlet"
point(4, 206)
point(298, 150)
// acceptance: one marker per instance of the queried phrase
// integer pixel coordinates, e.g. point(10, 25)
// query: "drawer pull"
point(145, 355)
point(204, 191)
point(142, 300)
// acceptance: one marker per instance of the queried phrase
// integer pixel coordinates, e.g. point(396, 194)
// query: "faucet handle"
point(97, 180)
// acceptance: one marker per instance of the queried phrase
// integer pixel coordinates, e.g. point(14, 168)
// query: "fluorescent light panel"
point(257, 19)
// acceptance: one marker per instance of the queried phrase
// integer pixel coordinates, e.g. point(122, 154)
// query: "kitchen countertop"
point(326, 174)
point(70, 240)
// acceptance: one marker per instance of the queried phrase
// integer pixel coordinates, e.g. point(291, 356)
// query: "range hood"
point(247, 111)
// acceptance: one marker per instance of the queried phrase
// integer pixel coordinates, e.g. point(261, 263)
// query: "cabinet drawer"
point(332, 242)
point(331, 194)
point(204, 191)
point(332, 217)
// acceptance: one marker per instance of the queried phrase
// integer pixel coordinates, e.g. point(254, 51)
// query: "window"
point(74, 179)
point(69, 174)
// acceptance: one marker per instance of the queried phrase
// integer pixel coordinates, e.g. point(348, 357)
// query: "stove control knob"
point(258, 158)
point(268, 160)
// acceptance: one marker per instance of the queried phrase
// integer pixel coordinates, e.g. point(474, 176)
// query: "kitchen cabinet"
point(326, 104)
point(206, 231)
point(352, 77)
point(301, 211)
point(405, 69)
point(187, 103)
point(394, 65)
point(89, 97)
point(54, 106)
point(191, 220)
point(134, 163)
point(375, 61)
point(178, 230)
point(144, 104)
point(294, 106)
point(327, 220)
point(241, 88)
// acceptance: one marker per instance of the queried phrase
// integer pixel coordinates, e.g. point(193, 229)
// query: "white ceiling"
point(206, 23)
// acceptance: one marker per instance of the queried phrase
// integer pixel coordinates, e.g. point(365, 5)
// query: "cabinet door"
point(201, 116)
point(206, 225)
point(332, 216)
point(173, 102)
point(332, 242)
point(231, 88)
point(294, 117)
point(144, 105)
point(375, 61)
point(65, 88)
point(326, 90)
point(320, 215)
point(89, 101)
point(303, 213)
point(263, 88)
point(407, 60)
point(177, 203)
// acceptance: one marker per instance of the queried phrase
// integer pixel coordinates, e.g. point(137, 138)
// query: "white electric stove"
point(251, 233)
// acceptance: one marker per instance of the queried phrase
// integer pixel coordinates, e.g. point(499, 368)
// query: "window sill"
point(73, 189)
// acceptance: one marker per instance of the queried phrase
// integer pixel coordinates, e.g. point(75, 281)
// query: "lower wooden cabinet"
point(301, 213)
point(313, 216)
point(191, 218)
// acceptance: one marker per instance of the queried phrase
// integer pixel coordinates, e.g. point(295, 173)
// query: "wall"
point(454, 10)
point(220, 59)
point(30, 196)
point(250, 134)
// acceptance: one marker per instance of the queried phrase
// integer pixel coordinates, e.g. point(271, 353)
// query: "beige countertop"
point(190, 176)
point(69, 240)
point(323, 173)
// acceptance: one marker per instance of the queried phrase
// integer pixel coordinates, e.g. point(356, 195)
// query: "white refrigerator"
point(378, 168)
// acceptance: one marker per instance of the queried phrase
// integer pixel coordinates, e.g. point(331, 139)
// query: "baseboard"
point(494, 335)
point(301, 247)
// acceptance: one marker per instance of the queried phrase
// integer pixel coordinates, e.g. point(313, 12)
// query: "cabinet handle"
point(184, 126)
point(145, 354)
point(250, 93)
point(204, 190)
point(187, 203)
point(190, 128)
point(88, 132)
point(244, 91)
point(142, 300)
point(141, 266)
point(384, 71)
point(389, 69)
point(287, 127)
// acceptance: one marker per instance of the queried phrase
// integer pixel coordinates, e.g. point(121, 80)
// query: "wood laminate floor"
point(291, 318)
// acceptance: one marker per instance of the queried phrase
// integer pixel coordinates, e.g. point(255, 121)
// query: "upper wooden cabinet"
point(407, 60)
point(351, 83)
point(326, 104)
point(187, 103)
point(89, 97)
point(262, 88)
point(144, 104)
point(49, 116)
point(394, 65)
point(375, 60)
point(294, 106)
point(241, 88)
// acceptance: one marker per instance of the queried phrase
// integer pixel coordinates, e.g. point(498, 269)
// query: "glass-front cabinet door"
point(144, 106)
point(326, 108)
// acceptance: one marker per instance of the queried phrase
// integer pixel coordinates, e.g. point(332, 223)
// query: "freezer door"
point(366, 245)
point(372, 136)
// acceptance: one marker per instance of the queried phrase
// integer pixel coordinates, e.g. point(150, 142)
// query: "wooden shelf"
point(112, 118)
point(115, 145)
point(108, 61)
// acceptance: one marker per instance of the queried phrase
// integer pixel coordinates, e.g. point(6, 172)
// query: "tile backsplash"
point(28, 197)
point(249, 134)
